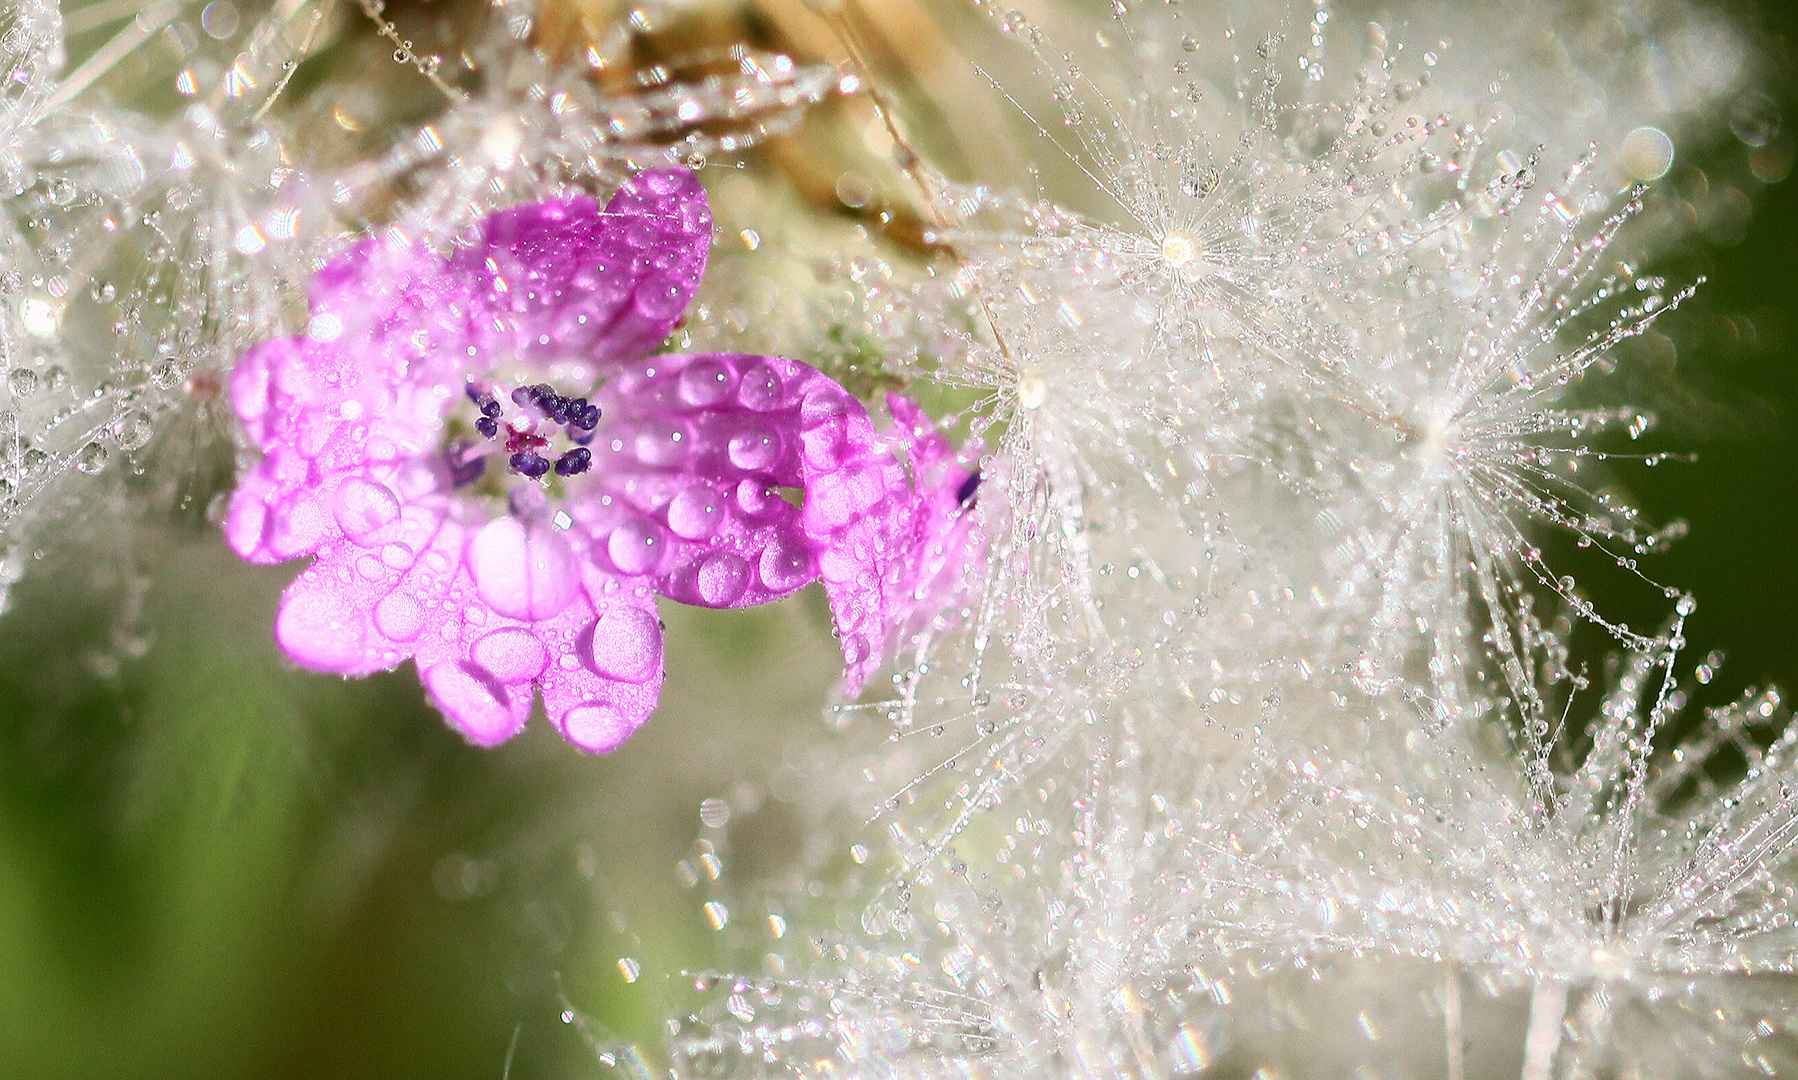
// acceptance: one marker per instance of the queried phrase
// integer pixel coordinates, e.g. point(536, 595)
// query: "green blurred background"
point(212, 865)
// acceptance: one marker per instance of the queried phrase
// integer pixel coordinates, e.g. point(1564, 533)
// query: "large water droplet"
point(696, 513)
point(399, 617)
point(705, 383)
point(625, 644)
point(363, 507)
point(90, 458)
point(511, 655)
point(134, 430)
point(754, 448)
point(722, 578)
point(786, 563)
point(524, 572)
point(596, 726)
point(761, 388)
point(636, 547)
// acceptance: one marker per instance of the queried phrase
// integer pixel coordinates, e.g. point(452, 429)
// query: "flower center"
point(1179, 249)
point(540, 432)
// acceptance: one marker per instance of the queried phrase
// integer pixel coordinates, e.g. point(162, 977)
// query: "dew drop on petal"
point(362, 507)
point(722, 578)
point(595, 726)
point(754, 448)
point(524, 572)
point(511, 655)
point(318, 628)
point(667, 442)
point(625, 644)
point(696, 513)
point(705, 382)
point(758, 498)
point(399, 617)
point(661, 298)
point(761, 388)
point(636, 547)
point(786, 564)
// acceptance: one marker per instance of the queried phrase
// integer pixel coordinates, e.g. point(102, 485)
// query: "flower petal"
point(700, 447)
point(486, 711)
point(359, 608)
point(603, 690)
point(562, 279)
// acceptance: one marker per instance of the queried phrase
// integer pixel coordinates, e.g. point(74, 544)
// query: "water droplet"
point(23, 382)
point(722, 578)
point(90, 458)
point(595, 726)
point(696, 513)
point(705, 382)
point(625, 644)
point(761, 388)
point(134, 431)
point(754, 448)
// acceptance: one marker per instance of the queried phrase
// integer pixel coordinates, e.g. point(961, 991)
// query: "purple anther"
point(465, 466)
point(528, 464)
point(588, 419)
point(487, 425)
point(964, 495)
point(574, 462)
point(482, 398)
point(524, 395)
point(579, 437)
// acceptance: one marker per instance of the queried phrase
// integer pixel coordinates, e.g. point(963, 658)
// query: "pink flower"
point(496, 480)
point(944, 556)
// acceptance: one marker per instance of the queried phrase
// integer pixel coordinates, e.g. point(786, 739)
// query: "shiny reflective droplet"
point(595, 726)
point(511, 655)
point(399, 617)
point(761, 388)
point(362, 507)
point(133, 432)
point(722, 578)
point(705, 382)
point(696, 513)
point(90, 458)
point(754, 449)
point(624, 644)
point(636, 547)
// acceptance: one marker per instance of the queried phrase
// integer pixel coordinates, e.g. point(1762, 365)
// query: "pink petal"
point(561, 279)
point(693, 457)
point(612, 685)
point(358, 609)
point(523, 571)
point(486, 711)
